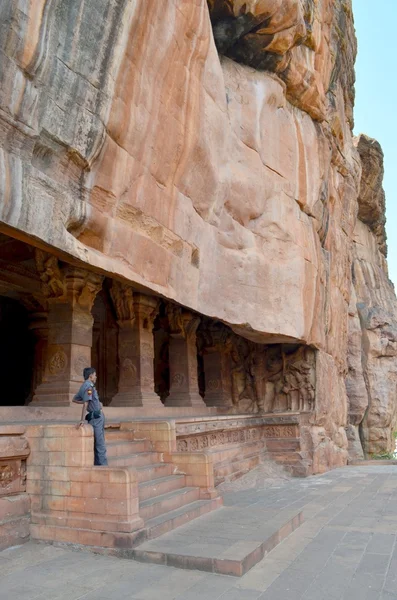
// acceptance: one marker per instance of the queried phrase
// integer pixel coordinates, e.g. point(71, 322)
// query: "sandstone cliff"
point(372, 378)
point(204, 152)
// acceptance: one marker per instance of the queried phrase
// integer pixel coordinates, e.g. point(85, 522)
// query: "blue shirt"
point(87, 393)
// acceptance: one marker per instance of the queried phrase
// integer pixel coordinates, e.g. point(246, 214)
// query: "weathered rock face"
point(225, 181)
point(372, 358)
point(300, 40)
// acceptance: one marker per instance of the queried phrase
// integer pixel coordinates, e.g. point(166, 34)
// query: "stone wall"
point(200, 151)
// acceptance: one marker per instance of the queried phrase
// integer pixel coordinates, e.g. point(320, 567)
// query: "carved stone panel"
point(12, 477)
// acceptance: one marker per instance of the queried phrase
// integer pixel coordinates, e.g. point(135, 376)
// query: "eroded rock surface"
point(372, 377)
point(225, 181)
point(303, 41)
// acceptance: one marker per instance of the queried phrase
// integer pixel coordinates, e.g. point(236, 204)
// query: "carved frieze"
point(208, 439)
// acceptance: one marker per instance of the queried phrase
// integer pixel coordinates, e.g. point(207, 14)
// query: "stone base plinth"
point(70, 414)
point(134, 400)
point(184, 399)
point(14, 520)
point(236, 557)
point(56, 394)
point(239, 443)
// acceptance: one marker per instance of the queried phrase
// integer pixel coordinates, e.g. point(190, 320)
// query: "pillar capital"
point(65, 283)
point(183, 323)
point(146, 309)
point(123, 301)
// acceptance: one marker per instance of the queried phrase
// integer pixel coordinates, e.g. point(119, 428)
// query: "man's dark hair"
point(87, 372)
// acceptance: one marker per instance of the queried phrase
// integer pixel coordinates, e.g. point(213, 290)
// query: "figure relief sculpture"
point(182, 323)
point(51, 276)
point(86, 289)
point(244, 390)
point(175, 319)
point(213, 337)
point(123, 300)
point(289, 380)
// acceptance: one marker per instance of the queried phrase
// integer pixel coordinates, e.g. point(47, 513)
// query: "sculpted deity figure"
point(244, 394)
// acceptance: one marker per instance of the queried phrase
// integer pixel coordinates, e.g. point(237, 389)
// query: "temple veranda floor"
point(345, 549)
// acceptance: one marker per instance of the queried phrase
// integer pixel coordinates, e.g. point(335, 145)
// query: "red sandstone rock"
point(372, 356)
point(228, 183)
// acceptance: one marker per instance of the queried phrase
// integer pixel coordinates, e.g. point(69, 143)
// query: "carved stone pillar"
point(217, 372)
point(136, 314)
point(70, 294)
point(39, 327)
point(184, 389)
point(215, 348)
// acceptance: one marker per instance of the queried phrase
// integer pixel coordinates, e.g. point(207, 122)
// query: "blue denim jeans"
point(100, 458)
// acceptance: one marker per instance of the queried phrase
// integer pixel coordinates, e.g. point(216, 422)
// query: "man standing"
point(88, 397)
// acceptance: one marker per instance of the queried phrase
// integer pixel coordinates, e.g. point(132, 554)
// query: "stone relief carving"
point(129, 371)
point(80, 363)
point(51, 276)
point(272, 378)
point(175, 320)
point(123, 300)
point(244, 390)
point(7, 474)
point(82, 287)
point(290, 380)
point(221, 438)
point(182, 323)
point(57, 362)
point(74, 285)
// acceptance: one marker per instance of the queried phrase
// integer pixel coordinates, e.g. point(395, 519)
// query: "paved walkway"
point(345, 550)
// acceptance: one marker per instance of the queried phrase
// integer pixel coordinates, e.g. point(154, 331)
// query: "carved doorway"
point(105, 346)
point(17, 346)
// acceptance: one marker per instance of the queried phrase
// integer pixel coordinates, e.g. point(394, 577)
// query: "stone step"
point(123, 448)
point(285, 457)
point(134, 460)
point(275, 444)
point(154, 471)
point(162, 485)
point(165, 503)
point(113, 434)
point(234, 469)
point(301, 469)
point(171, 520)
point(229, 556)
point(228, 453)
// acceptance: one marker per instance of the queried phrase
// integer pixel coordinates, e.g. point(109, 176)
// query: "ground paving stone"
point(345, 550)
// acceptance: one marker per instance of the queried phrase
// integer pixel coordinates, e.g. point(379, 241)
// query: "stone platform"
point(345, 550)
point(229, 541)
point(161, 475)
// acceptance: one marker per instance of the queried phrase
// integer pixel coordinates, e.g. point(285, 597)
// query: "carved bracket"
point(183, 323)
point(66, 283)
point(51, 276)
point(123, 300)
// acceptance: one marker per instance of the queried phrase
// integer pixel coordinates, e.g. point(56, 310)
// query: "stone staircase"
point(234, 462)
point(165, 501)
point(287, 452)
